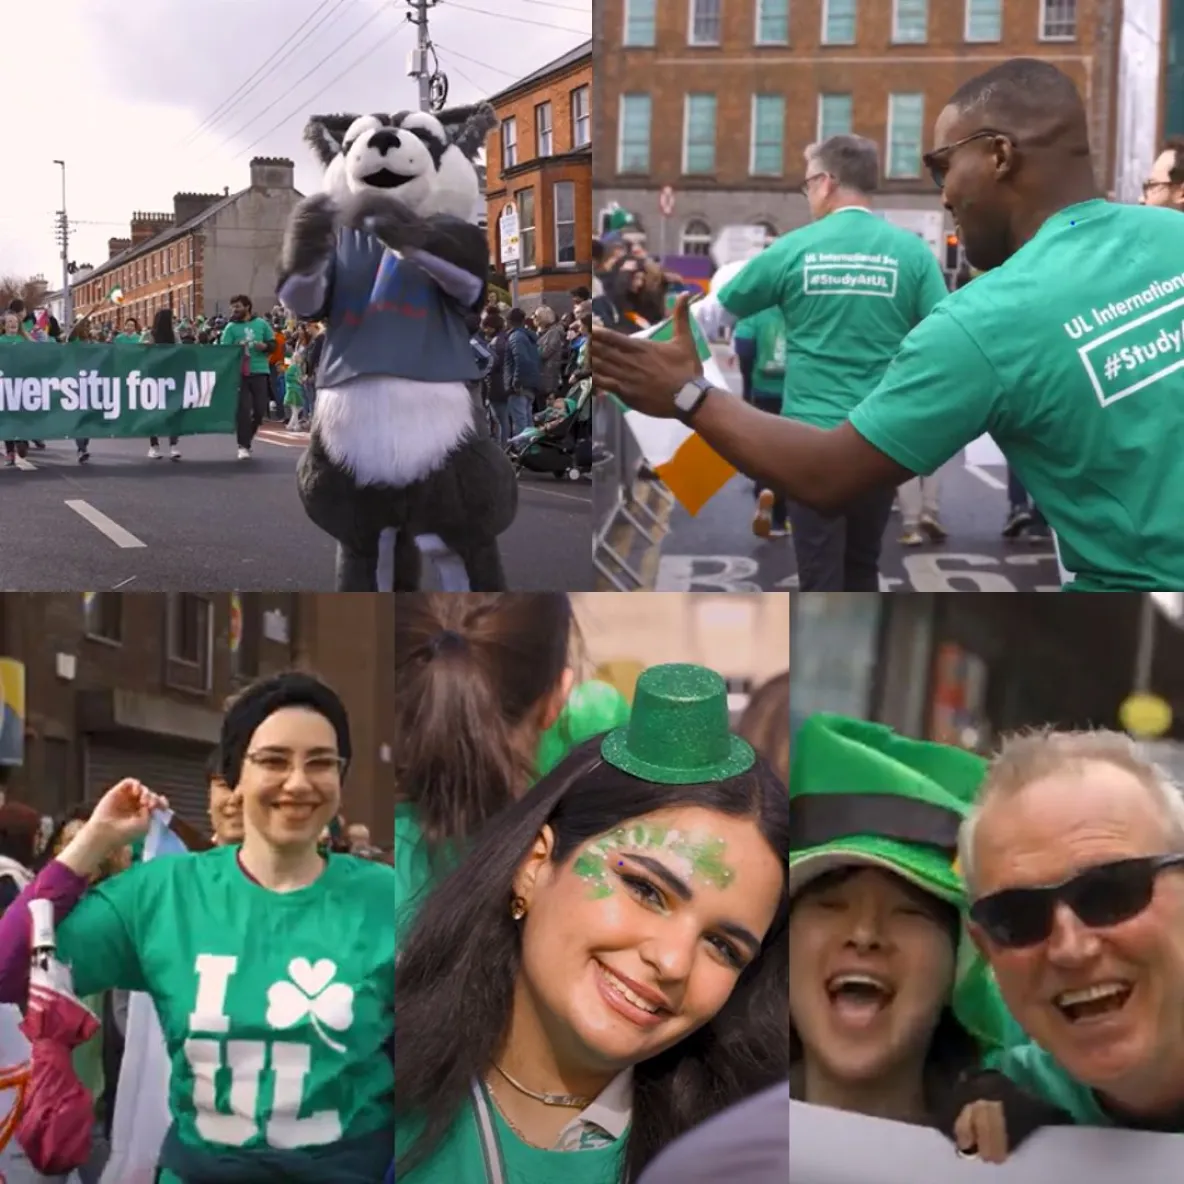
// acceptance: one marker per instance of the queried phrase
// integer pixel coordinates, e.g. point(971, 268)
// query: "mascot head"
point(425, 161)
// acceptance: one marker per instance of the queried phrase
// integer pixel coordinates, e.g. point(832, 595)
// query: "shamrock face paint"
point(694, 855)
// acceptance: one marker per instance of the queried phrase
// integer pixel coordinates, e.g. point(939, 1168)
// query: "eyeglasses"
point(1148, 186)
point(804, 187)
point(277, 766)
point(938, 161)
point(1100, 897)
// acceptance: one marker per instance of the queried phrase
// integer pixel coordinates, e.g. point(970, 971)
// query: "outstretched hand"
point(647, 374)
point(124, 812)
point(388, 219)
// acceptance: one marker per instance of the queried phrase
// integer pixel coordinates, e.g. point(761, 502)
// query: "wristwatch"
point(690, 398)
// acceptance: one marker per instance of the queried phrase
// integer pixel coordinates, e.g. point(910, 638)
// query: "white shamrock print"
point(312, 992)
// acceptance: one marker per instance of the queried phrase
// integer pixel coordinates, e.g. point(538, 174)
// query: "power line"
point(224, 108)
point(584, 11)
point(464, 57)
point(520, 20)
point(332, 81)
point(463, 76)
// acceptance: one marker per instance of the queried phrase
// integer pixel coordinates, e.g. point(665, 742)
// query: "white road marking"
point(985, 477)
point(571, 497)
point(104, 525)
point(283, 439)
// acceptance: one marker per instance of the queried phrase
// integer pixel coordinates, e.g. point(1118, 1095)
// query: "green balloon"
point(591, 708)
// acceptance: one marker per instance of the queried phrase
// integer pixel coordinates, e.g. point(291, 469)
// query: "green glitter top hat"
point(678, 732)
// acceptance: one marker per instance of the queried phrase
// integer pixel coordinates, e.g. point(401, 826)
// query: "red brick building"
point(134, 685)
point(720, 98)
point(540, 159)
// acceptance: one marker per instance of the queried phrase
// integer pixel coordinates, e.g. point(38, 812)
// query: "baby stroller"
point(558, 446)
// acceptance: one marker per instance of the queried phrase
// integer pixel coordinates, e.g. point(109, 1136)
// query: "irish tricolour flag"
point(687, 465)
point(115, 295)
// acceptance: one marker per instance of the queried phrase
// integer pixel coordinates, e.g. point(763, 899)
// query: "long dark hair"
point(469, 667)
point(454, 981)
point(163, 332)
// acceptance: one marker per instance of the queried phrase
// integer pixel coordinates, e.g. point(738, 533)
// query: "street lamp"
point(67, 303)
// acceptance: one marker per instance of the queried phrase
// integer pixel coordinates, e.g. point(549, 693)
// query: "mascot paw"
point(388, 219)
point(311, 235)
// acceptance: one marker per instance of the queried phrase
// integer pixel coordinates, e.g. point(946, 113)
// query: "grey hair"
point(853, 161)
point(1028, 756)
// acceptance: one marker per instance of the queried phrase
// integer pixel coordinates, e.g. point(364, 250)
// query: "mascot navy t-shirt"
point(388, 316)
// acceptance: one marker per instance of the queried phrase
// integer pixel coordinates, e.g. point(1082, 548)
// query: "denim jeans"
point(520, 408)
point(502, 412)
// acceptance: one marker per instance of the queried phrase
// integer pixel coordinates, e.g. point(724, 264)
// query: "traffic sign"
point(734, 244)
point(666, 201)
point(507, 226)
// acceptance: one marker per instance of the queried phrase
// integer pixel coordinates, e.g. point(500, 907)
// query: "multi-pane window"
point(581, 117)
point(772, 22)
point(834, 116)
point(1058, 20)
point(768, 135)
point(509, 142)
point(704, 22)
point(565, 222)
point(838, 22)
point(633, 150)
point(984, 20)
point(698, 155)
point(524, 201)
point(910, 20)
point(103, 612)
point(639, 22)
point(696, 238)
point(906, 114)
point(544, 140)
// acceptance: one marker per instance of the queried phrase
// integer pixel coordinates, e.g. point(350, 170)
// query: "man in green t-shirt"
point(850, 288)
point(1069, 351)
point(255, 337)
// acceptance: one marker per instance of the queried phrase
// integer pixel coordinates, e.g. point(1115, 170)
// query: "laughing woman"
point(270, 964)
point(608, 966)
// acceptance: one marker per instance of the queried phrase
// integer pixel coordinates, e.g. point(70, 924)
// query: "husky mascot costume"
point(388, 256)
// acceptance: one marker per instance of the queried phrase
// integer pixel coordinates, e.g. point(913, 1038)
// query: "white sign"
point(666, 201)
point(927, 225)
point(734, 244)
point(836, 1147)
point(507, 226)
point(275, 627)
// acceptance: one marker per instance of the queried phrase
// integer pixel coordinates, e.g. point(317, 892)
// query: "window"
point(639, 22)
point(172, 260)
point(543, 139)
point(698, 135)
point(183, 253)
point(1058, 20)
point(244, 657)
point(696, 238)
point(565, 222)
point(581, 117)
point(768, 136)
point(772, 22)
point(633, 149)
point(905, 117)
point(524, 202)
point(834, 116)
point(509, 142)
point(838, 22)
point(103, 616)
point(984, 20)
point(190, 641)
point(703, 26)
point(910, 20)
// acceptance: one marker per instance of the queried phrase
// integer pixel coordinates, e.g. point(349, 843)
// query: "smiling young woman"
point(608, 966)
point(270, 964)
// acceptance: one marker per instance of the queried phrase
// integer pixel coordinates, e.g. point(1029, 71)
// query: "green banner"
point(86, 391)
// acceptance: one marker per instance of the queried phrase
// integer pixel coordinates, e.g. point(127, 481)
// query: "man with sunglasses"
point(1074, 863)
point(1069, 352)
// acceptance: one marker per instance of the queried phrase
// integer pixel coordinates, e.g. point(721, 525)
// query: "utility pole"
point(423, 66)
point(64, 239)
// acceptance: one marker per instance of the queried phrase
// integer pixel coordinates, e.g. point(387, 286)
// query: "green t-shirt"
point(459, 1158)
point(1071, 356)
point(256, 329)
point(851, 287)
point(1034, 1070)
point(277, 1008)
point(127, 339)
point(767, 330)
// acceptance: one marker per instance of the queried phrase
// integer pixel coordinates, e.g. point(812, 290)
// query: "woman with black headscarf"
point(163, 333)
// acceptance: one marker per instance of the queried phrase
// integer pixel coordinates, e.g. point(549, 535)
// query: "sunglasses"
point(938, 161)
point(1100, 897)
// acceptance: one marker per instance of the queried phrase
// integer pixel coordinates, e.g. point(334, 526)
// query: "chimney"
point(187, 206)
point(116, 246)
point(146, 226)
point(272, 172)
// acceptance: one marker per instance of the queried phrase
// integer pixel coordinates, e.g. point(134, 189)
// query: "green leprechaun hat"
point(860, 794)
point(678, 731)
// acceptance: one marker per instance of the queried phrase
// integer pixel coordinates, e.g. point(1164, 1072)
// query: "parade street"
point(717, 550)
point(210, 522)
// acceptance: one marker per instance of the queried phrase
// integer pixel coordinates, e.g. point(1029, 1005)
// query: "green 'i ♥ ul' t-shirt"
point(277, 1010)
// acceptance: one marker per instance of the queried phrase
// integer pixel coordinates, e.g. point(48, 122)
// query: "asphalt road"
point(210, 522)
point(716, 551)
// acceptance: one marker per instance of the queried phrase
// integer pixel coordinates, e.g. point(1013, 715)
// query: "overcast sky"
point(120, 90)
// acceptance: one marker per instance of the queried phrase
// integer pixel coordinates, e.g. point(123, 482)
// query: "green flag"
point(89, 391)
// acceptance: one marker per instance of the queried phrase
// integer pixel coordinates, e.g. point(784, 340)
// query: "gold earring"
point(517, 908)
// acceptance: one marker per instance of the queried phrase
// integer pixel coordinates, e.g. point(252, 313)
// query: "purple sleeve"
point(54, 882)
